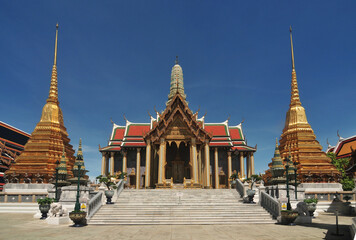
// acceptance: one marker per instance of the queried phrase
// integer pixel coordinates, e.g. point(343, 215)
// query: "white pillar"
point(229, 168)
point(242, 165)
point(112, 163)
point(193, 149)
point(252, 164)
point(148, 164)
point(162, 160)
point(138, 165)
point(124, 162)
point(103, 163)
point(216, 158)
point(207, 165)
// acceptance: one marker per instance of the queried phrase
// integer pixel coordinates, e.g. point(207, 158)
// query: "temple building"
point(176, 147)
point(37, 162)
point(12, 141)
point(343, 147)
point(298, 137)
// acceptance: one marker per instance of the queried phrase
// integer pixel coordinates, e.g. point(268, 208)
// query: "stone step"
point(150, 207)
point(18, 207)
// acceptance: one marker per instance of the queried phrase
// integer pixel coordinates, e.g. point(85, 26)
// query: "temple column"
point(124, 162)
point(199, 167)
point(112, 163)
point(229, 167)
point(193, 149)
point(162, 161)
point(216, 158)
point(138, 165)
point(242, 165)
point(252, 164)
point(103, 163)
point(207, 165)
point(148, 164)
point(248, 168)
point(107, 164)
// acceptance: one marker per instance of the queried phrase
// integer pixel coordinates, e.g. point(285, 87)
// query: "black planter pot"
point(79, 218)
point(109, 194)
point(44, 208)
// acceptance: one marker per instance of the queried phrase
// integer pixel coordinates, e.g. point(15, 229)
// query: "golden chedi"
point(38, 160)
point(298, 136)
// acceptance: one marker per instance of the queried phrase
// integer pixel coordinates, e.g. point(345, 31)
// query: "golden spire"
point(53, 90)
point(295, 100)
point(291, 46)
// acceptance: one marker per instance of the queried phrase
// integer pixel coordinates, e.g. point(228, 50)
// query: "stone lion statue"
point(57, 210)
point(302, 209)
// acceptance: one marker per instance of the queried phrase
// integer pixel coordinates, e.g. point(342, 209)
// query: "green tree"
point(347, 182)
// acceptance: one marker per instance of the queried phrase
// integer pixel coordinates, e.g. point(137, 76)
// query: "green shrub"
point(45, 201)
point(311, 200)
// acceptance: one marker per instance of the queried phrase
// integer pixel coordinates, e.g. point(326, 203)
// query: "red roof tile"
point(137, 129)
point(216, 129)
point(235, 133)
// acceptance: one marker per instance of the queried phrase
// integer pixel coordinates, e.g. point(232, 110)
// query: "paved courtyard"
point(23, 226)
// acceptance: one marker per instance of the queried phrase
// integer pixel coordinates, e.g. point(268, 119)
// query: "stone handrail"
point(95, 204)
point(98, 200)
point(270, 204)
point(120, 187)
point(240, 187)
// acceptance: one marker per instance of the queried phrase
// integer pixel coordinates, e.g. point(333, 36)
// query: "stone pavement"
point(22, 226)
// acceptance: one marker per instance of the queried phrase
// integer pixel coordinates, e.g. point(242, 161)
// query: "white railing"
point(95, 204)
point(98, 200)
point(120, 187)
point(240, 187)
point(270, 204)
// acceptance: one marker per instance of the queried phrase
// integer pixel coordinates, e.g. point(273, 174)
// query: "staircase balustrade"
point(270, 204)
point(240, 187)
point(98, 200)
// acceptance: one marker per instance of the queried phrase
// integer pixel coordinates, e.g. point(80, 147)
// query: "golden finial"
point(276, 142)
point(291, 45)
point(53, 90)
point(55, 46)
point(176, 59)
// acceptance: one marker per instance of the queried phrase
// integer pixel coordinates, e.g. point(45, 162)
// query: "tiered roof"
point(132, 135)
point(12, 142)
point(343, 147)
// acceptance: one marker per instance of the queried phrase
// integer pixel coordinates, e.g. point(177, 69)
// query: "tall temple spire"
point(298, 141)
point(295, 100)
point(53, 90)
point(49, 137)
point(291, 46)
point(177, 85)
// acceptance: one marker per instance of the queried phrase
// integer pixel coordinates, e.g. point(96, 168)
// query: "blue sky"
point(115, 58)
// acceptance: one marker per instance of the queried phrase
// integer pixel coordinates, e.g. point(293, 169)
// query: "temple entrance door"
point(178, 171)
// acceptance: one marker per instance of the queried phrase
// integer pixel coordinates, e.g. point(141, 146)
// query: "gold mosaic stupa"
point(299, 137)
point(37, 162)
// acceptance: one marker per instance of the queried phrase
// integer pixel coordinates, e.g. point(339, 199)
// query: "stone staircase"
point(173, 206)
point(19, 208)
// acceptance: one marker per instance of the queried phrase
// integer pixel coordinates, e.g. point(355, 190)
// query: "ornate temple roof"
point(343, 147)
point(131, 135)
point(12, 142)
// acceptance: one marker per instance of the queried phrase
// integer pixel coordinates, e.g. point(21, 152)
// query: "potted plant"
point(233, 178)
point(106, 180)
point(250, 192)
point(44, 206)
point(288, 217)
point(311, 202)
point(122, 175)
point(78, 217)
